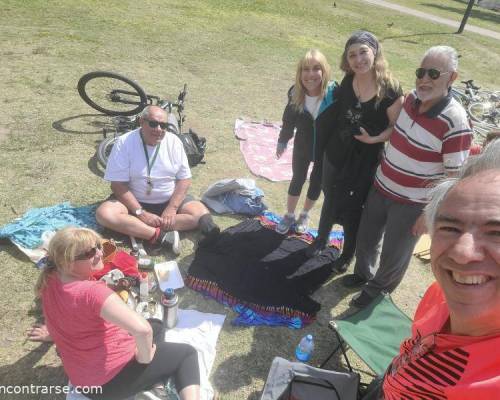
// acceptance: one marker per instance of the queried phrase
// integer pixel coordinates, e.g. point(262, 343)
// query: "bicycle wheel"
point(111, 93)
point(104, 150)
point(479, 111)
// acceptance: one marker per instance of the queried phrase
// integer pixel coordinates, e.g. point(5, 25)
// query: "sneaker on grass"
point(156, 393)
point(171, 241)
point(361, 300)
point(285, 224)
point(302, 223)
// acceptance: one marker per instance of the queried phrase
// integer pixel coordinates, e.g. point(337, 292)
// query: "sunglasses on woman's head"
point(432, 72)
point(154, 124)
point(89, 253)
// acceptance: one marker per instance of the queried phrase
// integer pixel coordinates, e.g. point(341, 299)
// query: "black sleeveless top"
point(354, 162)
point(351, 114)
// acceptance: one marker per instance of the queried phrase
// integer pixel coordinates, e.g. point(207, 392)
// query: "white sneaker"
point(302, 223)
point(285, 224)
point(172, 241)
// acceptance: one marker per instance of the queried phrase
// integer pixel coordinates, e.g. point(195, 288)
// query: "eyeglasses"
point(89, 253)
point(154, 124)
point(432, 72)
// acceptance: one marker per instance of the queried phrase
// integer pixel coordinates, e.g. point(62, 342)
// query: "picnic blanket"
point(258, 145)
point(32, 231)
point(255, 271)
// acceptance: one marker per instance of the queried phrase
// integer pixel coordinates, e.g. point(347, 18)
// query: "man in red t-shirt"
point(452, 353)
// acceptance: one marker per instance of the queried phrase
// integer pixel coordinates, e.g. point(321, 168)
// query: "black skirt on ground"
point(251, 264)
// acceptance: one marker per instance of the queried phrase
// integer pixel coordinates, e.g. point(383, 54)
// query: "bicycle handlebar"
point(470, 84)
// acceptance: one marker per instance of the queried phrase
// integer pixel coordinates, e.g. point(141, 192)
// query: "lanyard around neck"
point(155, 154)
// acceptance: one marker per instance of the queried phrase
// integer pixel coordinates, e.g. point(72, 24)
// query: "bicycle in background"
point(483, 107)
point(123, 99)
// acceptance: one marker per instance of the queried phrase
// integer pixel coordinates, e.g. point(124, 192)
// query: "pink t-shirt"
point(92, 350)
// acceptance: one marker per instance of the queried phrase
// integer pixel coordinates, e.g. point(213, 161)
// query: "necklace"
point(358, 95)
point(149, 164)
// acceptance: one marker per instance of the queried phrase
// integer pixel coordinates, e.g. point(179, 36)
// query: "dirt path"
point(433, 18)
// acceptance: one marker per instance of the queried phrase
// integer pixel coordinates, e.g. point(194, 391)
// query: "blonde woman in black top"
point(305, 115)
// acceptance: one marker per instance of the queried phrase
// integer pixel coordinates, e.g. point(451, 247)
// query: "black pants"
point(300, 166)
point(340, 206)
point(170, 359)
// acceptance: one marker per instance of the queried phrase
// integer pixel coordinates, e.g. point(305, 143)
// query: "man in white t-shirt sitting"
point(150, 176)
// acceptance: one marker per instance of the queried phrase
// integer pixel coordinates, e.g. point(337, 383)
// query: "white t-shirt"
point(312, 104)
point(127, 163)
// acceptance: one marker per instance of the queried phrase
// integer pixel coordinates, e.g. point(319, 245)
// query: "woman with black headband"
point(369, 102)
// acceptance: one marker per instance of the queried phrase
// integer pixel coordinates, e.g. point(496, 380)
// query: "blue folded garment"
point(27, 230)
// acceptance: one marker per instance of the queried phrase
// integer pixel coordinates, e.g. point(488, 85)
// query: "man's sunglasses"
point(154, 124)
point(89, 253)
point(432, 72)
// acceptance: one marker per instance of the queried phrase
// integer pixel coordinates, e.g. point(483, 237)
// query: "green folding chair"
point(374, 333)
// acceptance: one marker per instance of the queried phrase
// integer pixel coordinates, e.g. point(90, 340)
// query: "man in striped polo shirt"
point(430, 140)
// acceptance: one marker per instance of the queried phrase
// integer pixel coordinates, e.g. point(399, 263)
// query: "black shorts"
point(158, 208)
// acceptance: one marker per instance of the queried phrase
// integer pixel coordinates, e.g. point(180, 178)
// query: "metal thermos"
point(170, 302)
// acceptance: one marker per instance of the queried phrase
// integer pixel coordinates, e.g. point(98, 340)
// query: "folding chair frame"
point(342, 344)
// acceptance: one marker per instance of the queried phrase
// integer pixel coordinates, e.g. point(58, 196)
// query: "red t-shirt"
point(92, 350)
point(433, 365)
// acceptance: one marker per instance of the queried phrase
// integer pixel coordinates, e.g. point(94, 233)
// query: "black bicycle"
point(123, 99)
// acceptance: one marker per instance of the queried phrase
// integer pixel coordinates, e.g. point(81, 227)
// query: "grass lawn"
point(238, 59)
point(455, 10)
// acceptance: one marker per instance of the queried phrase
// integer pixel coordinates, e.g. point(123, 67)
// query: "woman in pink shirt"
point(100, 340)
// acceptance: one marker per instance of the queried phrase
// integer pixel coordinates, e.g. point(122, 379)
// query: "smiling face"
point(87, 262)
point(431, 91)
point(311, 77)
point(360, 58)
point(153, 136)
point(465, 252)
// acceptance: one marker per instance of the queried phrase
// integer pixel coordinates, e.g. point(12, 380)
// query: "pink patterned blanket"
point(258, 145)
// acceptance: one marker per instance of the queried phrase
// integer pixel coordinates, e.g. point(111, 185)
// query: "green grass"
point(455, 10)
point(238, 59)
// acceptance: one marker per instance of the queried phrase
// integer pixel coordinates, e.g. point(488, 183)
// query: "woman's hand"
point(145, 358)
point(365, 137)
point(116, 312)
point(280, 149)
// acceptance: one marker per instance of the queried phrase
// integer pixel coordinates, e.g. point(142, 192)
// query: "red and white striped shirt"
point(423, 147)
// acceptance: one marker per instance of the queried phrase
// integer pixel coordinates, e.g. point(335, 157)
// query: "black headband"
point(365, 38)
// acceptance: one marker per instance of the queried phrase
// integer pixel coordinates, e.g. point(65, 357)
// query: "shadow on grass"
point(476, 12)
point(23, 372)
point(95, 167)
point(8, 247)
point(88, 124)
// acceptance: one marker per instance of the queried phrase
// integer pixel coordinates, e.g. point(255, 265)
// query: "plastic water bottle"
point(143, 287)
point(304, 349)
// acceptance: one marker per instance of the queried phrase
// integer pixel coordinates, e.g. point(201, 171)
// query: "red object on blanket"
point(114, 259)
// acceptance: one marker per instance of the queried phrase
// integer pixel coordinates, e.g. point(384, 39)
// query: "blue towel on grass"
point(27, 230)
